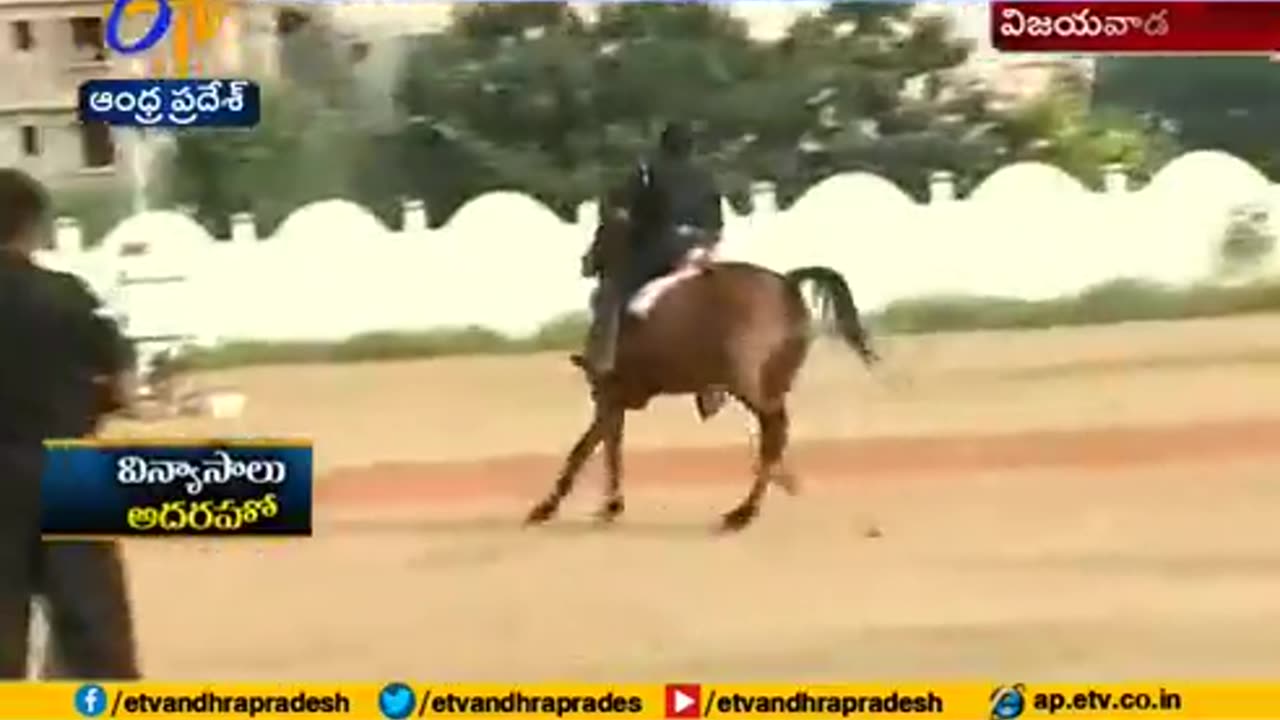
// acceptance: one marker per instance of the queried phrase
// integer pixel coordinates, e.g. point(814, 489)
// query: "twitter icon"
point(397, 701)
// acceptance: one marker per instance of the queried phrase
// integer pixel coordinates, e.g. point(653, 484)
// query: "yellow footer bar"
point(418, 699)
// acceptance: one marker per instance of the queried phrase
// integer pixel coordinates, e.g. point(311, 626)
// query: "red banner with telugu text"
point(1222, 26)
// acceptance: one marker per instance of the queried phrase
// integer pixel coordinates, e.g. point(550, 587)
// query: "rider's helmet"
point(676, 139)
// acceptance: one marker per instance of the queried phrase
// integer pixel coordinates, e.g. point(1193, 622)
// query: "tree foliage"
point(537, 98)
point(1060, 128)
point(302, 152)
point(1221, 103)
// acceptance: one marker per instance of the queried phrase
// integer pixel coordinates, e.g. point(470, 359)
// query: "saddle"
point(695, 263)
point(649, 294)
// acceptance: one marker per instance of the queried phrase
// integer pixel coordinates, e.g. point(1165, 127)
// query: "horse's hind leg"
point(613, 504)
point(763, 389)
point(546, 509)
point(773, 441)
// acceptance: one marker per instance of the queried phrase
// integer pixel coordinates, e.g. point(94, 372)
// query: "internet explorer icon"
point(1008, 701)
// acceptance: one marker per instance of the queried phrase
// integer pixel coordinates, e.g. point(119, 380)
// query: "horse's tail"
point(837, 300)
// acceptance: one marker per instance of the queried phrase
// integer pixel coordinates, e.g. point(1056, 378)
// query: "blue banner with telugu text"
point(178, 488)
point(171, 102)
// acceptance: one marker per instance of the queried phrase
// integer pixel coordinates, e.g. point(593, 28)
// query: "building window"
point(359, 51)
point(30, 140)
point(290, 21)
point(87, 39)
point(23, 38)
point(97, 149)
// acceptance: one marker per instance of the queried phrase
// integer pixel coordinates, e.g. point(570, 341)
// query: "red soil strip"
point(827, 460)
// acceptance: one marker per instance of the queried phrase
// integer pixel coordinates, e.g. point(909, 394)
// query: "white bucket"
point(222, 405)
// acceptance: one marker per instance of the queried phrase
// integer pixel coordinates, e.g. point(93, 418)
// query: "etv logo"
point(194, 23)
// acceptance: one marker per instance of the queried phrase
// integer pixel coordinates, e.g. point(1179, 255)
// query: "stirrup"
point(587, 366)
point(710, 401)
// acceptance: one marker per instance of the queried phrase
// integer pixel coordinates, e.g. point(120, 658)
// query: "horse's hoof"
point(738, 518)
point(611, 510)
point(789, 483)
point(542, 512)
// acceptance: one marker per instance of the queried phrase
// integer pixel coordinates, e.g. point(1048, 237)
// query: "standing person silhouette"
point(64, 365)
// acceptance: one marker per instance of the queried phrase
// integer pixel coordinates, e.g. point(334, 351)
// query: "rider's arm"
point(108, 355)
point(715, 212)
point(713, 222)
point(639, 194)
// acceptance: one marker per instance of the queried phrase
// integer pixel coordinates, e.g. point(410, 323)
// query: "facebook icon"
point(91, 700)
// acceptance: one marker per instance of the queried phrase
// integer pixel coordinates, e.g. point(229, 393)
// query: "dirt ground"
point(1064, 504)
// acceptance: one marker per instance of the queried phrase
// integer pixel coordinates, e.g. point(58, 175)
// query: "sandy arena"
point(1070, 504)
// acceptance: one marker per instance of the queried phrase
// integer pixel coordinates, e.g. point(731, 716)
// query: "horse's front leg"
point(546, 509)
point(613, 503)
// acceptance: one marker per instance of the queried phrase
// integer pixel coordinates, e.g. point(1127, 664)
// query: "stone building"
point(49, 47)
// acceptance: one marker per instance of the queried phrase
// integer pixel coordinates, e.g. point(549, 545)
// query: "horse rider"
point(64, 365)
point(675, 221)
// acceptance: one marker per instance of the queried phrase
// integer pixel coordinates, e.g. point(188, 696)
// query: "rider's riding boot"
point(601, 347)
point(603, 354)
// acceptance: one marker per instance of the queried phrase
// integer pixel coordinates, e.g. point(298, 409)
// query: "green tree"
point(1060, 128)
point(530, 96)
point(691, 62)
point(876, 90)
point(1224, 103)
point(501, 101)
point(534, 98)
point(302, 152)
point(308, 146)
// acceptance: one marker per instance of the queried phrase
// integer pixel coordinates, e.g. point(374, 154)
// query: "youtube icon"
point(684, 701)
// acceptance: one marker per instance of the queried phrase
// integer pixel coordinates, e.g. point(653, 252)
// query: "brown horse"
point(735, 328)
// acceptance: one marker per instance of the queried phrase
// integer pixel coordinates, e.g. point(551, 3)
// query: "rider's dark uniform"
point(674, 206)
point(57, 347)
